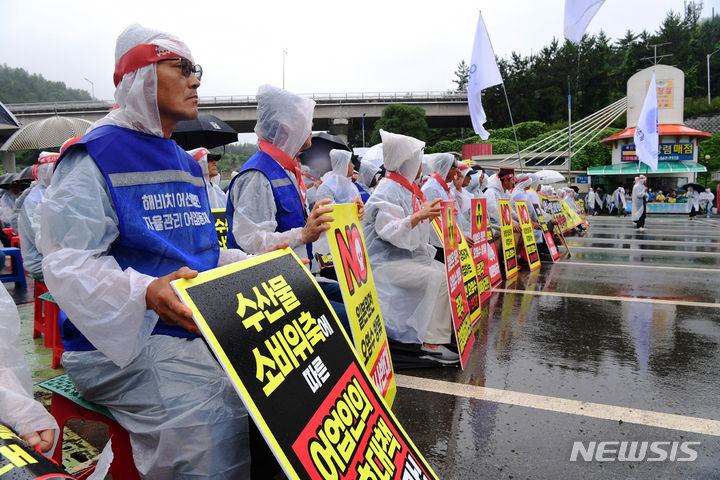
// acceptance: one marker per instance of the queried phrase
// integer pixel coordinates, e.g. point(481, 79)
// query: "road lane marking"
point(647, 251)
point(562, 405)
point(638, 265)
point(607, 297)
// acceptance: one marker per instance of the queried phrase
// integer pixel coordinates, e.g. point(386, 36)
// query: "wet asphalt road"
point(618, 343)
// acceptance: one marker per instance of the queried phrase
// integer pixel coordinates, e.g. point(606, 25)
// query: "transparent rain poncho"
point(18, 408)
point(285, 120)
point(218, 198)
point(439, 163)
point(520, 193)
point(494, 193)
point(411, 285)
point(163, 390)
point(367, 174)
point(28, 221)
point(638, 198)
point(336, 185)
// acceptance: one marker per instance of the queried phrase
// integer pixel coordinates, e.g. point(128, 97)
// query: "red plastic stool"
point(13, 236)
point(67, 403)
point(40, 324)
point(52, 328)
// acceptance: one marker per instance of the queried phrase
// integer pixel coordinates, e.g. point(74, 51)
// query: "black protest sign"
point(291, 362)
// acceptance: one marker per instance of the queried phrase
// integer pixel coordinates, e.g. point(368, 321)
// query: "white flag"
point(646, 131)
point(484, 73)
point(578, 14)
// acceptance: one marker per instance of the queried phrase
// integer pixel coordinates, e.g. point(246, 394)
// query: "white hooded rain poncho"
point(28, 222)
point(438, 164)
point(367, 175)
point(336, 185)
point(218, 198)
point(285, 121)
point(411, 285)
point(519, 192)
point(639, 196)
point(182, 413)
point(494, 193)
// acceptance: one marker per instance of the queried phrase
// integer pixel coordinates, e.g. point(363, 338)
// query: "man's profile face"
point(508, 182)
point(177, 96)
point(212, 168)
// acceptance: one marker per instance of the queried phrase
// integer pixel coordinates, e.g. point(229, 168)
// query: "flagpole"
point(569, 132)
point(517, 146)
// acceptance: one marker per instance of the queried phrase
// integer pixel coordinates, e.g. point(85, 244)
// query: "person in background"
point(443, 169)
point(337, 184)
point(208, 164)
point(639, 201)
point(130, 343)
point(693, 199)
point(590, 201)
point(706, 201)
point(28, 223)
point(600, 197)
point(462, 200)
point(499, 187)
point(367, 177)
point(660, 197)
point(651, 195)
point(411, 285)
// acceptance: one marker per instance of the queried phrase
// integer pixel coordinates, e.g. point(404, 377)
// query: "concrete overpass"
point(339, 113)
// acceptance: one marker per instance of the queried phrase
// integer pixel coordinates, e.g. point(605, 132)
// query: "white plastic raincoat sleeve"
point(78, 225)
point(27, 228)
point(18, 408)
point(254, 218)
point(638, 195)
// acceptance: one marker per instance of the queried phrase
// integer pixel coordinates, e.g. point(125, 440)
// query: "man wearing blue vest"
point(127, 212)
point(267, 200)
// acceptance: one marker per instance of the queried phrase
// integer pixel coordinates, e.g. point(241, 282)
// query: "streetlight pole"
point(284, 53)
point(92, 87)
point(708, 71)
point(363, 129)
point(707, 164)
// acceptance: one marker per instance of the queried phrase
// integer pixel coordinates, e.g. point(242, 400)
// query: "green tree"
point(403, 119)
point(18, 86)
point(461, 77)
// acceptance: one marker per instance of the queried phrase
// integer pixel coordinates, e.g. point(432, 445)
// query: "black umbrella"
point(696, 186)
point(204, 131)
point(317, 157)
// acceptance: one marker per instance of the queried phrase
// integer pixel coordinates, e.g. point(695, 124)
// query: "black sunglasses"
point(186, 67)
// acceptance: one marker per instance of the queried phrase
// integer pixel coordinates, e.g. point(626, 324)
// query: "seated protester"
point(28, 224)
point(311, 183)
point(19, 410)
point(462, 200)
point(521, 192)
point(7, 204)
point(337, 184)
point(367, 178)
point(499, 187)
point(130, 344)
point(411, 285)
point(208, 164)
point(442, 168)
point(660, 197)
point(267, 201)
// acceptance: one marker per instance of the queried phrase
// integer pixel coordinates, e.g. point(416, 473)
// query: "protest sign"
point(508, 240)
point(486, 264)
point(549, 242)
point(531, 252)
point(221, 226)
point(289, 359)
point(347, 245)
point(459, 308)
point(573, 219)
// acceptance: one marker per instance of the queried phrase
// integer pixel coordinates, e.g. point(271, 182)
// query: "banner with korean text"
point(221, 226)
point(508, 239)
point(459, 308)
point(483, 252)
point(277, 338)
point(549, 242)
point(347, 245)
point(531, 252)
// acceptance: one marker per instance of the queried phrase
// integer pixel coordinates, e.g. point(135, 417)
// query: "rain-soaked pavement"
point(618, 344)
point(576, 369)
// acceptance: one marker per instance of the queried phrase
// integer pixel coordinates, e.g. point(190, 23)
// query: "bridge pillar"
point(340, 127)
point(8, 161)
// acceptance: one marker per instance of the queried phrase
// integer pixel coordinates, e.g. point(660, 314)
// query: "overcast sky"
point(332, 46)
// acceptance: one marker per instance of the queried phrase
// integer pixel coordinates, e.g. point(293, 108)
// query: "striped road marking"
point(606, 297)
point(639, 265)
point(646, 251)
point(561, 405)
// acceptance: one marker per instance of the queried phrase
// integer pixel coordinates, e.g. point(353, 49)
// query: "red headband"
point(138, 57)
point(50, 158)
